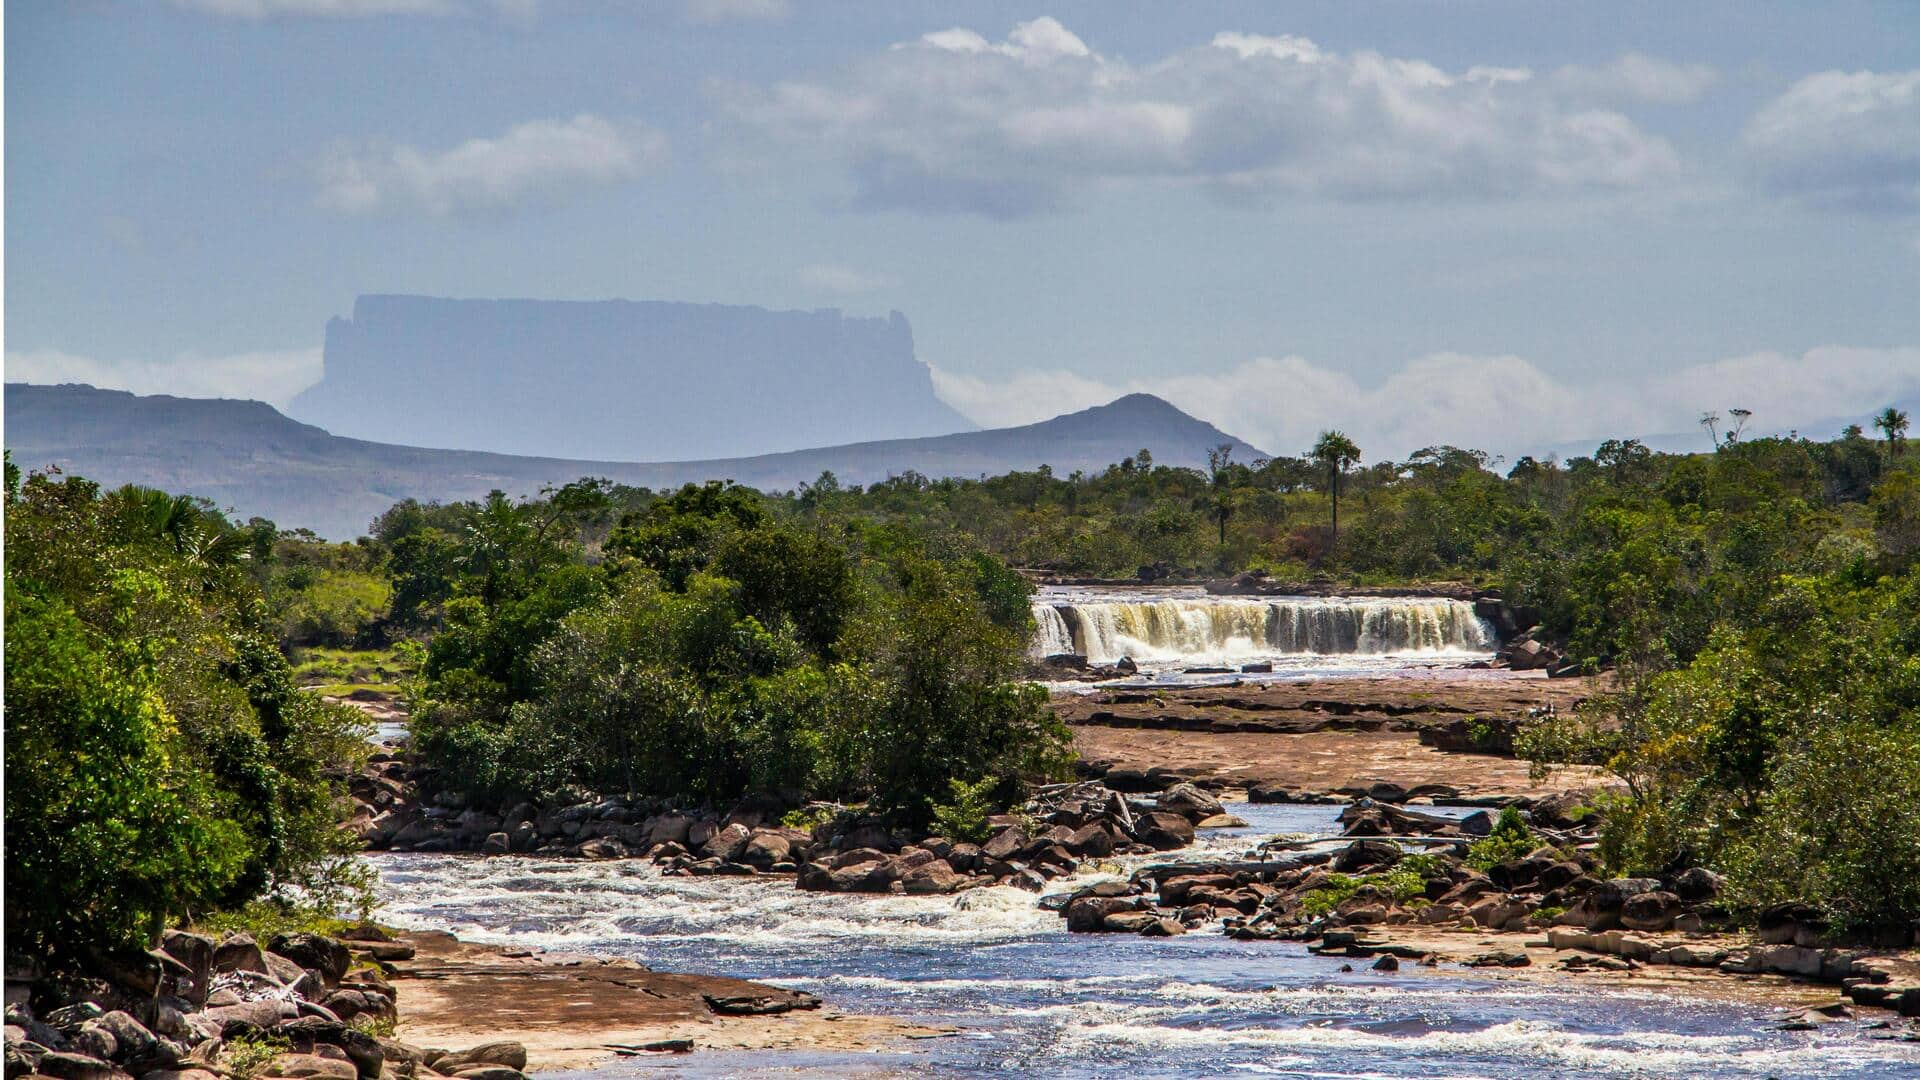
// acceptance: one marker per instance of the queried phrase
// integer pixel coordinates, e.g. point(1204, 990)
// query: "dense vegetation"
point(160, 760)
point(1758, 608)
point(707, 649)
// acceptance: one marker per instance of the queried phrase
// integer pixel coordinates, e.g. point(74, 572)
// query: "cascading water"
point(1172, 628)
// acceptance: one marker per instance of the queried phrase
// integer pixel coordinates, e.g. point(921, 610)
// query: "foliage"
point(714, 649)
point(1336, 890)
point(160, 759)
point(1509, 840)
point(246, 1055)
point(964, 819)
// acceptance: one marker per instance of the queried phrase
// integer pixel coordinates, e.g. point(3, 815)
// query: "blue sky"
point(1501, 224)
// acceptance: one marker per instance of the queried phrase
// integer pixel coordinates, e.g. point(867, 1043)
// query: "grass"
point(245, 1055)
point(264, 918)
point(339, 672)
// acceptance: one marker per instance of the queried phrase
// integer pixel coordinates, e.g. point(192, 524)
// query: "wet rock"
point(1129, 922)
point(1189, 802)
point(1163, 831)
point(934, 877)
point(1499, 958)
point(1088, 914)
point(765, 848)
point(1221, 821)
point(727, 844)
point(1093, 841)
point(497, 843)
point(1163, 927)
point(1386, 963)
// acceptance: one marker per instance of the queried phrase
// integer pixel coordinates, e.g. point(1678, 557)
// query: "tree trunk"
point(1333, 486)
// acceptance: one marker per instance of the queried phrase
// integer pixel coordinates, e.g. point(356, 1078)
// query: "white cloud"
point(1504, 404)
point(1848, 140)
point(272, 376)
point(955, 122)
point(1638, 77)
point(537, 160)
point(331, 9)
point(845, 280)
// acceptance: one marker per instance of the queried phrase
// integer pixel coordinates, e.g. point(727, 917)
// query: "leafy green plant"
point(964, 818)
point(1336, 890)
point(1509, 840)
point(244, 1056)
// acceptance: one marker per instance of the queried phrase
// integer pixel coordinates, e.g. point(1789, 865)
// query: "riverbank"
point(574, 1010)
point(1443, 730)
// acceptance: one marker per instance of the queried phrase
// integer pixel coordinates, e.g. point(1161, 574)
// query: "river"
point(1032, 999)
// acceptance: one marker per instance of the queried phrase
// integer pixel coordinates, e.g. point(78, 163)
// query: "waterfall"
point(1052, 636)
point(1187, 629)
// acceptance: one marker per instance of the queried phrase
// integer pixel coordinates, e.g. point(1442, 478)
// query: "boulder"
point(323, 954)
point(1005, 843)
point(934, 877)
point(1697, 884)
point(506, 1053)
point(765, 848)
point(1088, 914)
point(496, 843)
point(1364, 854)
point(1652, 911)
point(1163, 831)
point(135, 1042)
point(727, 844)
point(1163, 927)
point(315, 1065)
point(1129, 922)
point(195, 954)
point(1189, 802)
point(1093, 841)
point(67, 1065)
point(239, 952)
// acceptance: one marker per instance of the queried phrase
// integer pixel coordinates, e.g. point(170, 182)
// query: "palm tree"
point(1220, 477)
point(1893, 422)
point(1337, 453)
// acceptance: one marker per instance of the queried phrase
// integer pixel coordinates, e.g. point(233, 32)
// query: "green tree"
point(1892, 423)
point(1335, 453)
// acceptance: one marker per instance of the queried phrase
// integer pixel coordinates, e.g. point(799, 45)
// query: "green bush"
point(1509, 840)
point(161, 762)
point(965, 818)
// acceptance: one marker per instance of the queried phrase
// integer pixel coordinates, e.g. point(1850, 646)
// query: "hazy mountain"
point(619, 379)
point(247, 456)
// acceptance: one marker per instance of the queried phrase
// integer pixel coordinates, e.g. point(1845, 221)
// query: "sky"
point(1495, 224)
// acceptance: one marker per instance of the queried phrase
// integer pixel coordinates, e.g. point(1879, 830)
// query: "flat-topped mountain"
point(619, 379)
point(247, 456)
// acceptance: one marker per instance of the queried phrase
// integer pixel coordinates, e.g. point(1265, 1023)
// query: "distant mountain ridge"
point(248, 456)
point(634, 380)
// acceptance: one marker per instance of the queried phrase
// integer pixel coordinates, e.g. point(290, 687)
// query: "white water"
point(1031, 999)
point(1189, 626)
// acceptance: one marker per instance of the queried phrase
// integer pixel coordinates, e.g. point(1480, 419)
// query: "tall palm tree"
point(1337, 454)
point(1893, 423)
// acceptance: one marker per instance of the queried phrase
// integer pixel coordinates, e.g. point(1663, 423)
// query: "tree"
point(1336, 453)
point(1222, 478)
point(1893, 423)
point(1711, 421)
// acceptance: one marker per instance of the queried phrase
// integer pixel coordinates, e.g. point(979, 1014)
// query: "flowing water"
point(1167, 630)
point(1031, 999)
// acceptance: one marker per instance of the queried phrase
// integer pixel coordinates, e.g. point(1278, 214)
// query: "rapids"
point(1165, 630)
point(1033, 1000)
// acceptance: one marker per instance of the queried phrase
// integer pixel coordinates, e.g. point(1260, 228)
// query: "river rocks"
point(1653, 910)
point(1189, 802)
point(1163, 831)
point(1088, 914)
point(1004, 844)
point(934, 877)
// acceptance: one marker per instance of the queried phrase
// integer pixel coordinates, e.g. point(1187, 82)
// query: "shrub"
point(1509, 840)
point(965, 818)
